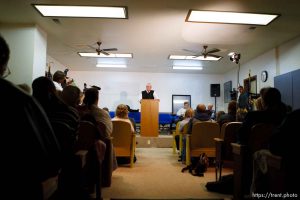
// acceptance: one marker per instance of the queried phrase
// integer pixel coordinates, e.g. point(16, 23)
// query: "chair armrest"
point(83, 156)
point(274, 161)
point(219, 140)
point(238, 148)
point(49, 187)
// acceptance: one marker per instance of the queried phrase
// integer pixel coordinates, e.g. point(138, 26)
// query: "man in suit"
point(148, 93)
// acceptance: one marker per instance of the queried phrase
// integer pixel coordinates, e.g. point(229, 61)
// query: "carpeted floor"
point(157, 175)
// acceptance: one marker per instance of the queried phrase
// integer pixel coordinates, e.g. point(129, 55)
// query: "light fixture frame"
point(191, 10)
point(124, 7)
point(186, 57)
point(104, 56)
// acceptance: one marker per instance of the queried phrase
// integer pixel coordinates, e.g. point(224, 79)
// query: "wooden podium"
point(149, 117)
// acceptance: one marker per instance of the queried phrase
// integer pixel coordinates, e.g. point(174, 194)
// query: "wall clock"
point(264, 76)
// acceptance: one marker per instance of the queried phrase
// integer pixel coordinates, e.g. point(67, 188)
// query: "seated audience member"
point(211, 112)
point(189, 113)
point(230, 116)
point(273, 112)
point(90, 111)
point(65, 122)
point(59, 78)
point(71, 96)
point(283, 143)
point(258, 102)
point(30, 151)
point(180, 113)
point(90, 107)
point(122, 115)
point(44, 91)
point(219, 115)
point(200, 115)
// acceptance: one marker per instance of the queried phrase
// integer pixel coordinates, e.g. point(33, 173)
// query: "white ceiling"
point(157, 28)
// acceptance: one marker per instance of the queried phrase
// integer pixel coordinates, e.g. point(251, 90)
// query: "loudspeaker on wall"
point(214, 90)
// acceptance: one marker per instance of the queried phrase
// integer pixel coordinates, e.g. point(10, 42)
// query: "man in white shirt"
point(181, 111)
point(148, 93)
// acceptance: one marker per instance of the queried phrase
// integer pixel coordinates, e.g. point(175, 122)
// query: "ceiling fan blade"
point(189, 50)
point(105, 53)
point(213, 50)
point(91, 47)
point(111, 49)
point(213, 55)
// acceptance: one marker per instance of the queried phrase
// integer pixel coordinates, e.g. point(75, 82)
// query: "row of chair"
point(207, 138)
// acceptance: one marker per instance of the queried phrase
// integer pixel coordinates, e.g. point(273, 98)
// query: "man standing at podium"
point(148, 93)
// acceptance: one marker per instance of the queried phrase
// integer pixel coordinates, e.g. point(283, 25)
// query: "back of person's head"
point(271, 98)
point(201, 108)
point(71, 95)
point(232, 107)
point(43, 90)
point(4, 55)
point(59, 76)
point(122, 111)
point(210, 106)
point(219, 114)
point(91, 96)
point(106, 109)
point(189, 113)
point(259, 104)
point(42, 86)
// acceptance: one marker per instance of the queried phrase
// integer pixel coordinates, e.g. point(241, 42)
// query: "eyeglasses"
point(6, 72)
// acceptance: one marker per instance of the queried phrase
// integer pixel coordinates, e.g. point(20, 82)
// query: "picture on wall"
point(178, 101)
point(227, 90)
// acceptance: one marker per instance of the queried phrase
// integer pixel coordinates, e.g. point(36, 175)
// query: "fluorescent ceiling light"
point(111, 55)
point(183, 57)
point(187, 67)
point(230, 17)
point(111, 65)
point(81, 11)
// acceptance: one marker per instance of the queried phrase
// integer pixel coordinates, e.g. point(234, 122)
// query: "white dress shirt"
point(181, 112)
point(58, 86)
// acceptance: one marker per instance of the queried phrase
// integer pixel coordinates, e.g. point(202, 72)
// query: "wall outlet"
point(148, 142)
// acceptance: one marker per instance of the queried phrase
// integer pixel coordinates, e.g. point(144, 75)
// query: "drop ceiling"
point(155, 29)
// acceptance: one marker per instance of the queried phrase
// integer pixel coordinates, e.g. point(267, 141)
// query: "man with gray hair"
point(148, 93)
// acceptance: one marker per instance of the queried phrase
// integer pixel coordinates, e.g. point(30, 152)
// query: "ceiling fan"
point(103, 51)
point(205, 53)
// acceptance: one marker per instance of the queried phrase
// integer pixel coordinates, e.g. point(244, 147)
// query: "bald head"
point(210, 106)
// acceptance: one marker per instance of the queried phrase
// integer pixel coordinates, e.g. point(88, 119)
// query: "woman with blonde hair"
point(122, 115)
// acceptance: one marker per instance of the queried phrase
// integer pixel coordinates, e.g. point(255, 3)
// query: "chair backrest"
point(260, 136)
point(122, 138)
point(177, 129)
point(66, 136)
point(203, 134)
point(228, 133)
point(87, 135)
point(185, 128)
